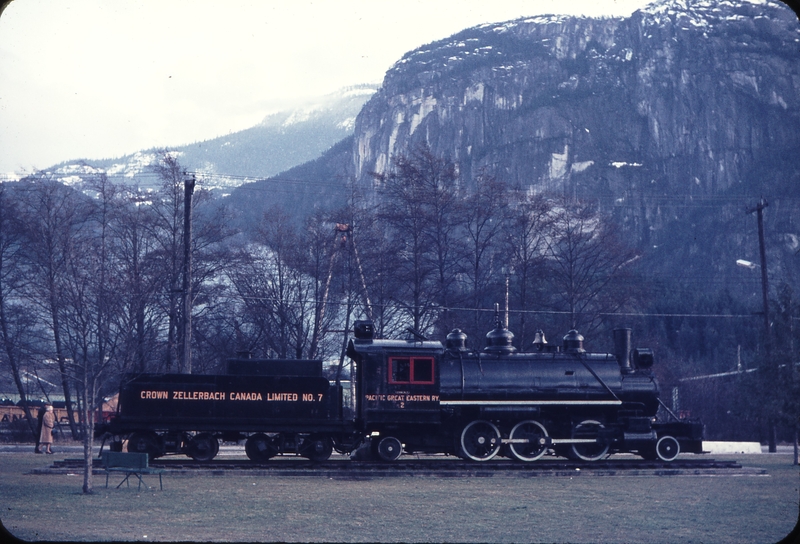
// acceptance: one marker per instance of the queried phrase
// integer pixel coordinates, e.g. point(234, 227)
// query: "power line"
point(512, 311)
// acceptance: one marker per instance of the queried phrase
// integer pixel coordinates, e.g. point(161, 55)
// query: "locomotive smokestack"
point(622, 349)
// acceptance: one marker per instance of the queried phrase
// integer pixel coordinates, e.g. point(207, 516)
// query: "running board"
point(515, 403)
point(547, 441)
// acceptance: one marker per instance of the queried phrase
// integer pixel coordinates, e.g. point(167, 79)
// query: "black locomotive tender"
point(414, 396)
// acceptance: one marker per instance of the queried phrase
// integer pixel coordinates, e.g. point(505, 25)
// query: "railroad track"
point(437, 467)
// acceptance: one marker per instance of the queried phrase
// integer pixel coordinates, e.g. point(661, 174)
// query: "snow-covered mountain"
point(281, 141)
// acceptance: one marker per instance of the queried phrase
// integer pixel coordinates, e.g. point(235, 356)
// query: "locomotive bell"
point(573, 342)
point(539, 341)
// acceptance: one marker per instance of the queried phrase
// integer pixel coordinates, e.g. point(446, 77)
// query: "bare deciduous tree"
point(419, 205)
point(586, 259)
point(167, 230)
point(15, 321)
point(53, 216)
point(483, 219)
point(273, 291)
point(526, 229)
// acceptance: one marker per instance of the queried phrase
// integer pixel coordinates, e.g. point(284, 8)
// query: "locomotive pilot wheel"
point(480, 440)
point(389, 448)
point(592, 450)
point(202, 447)
point(535, 434)
point(260, 448)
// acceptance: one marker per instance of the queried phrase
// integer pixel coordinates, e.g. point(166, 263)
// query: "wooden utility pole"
point(188, 190)
point(759, 210)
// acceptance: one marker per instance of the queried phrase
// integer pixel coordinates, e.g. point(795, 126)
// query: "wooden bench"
point(130, 464)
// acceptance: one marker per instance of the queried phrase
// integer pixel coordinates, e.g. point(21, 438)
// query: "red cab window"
point(411, 370)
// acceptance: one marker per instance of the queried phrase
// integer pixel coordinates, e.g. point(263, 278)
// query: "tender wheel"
point(145, 442)
point(317, 448)
point(588, 451)
point(390, 448)
point(480, 440)
point(667, 448)
point(202, 447)
point(536, 435)
point(260, 448)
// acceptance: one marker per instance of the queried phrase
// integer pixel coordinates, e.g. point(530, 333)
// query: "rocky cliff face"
point(683, 99)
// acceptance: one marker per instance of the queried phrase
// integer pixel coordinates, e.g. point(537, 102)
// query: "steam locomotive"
point(414, 396)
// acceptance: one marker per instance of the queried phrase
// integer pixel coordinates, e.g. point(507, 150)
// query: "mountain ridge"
point(282, 140)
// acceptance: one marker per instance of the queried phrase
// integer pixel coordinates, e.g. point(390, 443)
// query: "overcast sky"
point(100, 79)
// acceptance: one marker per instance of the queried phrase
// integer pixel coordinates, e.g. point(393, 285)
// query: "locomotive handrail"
point(599, 379)
point(670, 412)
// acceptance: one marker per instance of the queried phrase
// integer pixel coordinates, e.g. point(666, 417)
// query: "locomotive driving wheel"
point(480, 440)
point(592, 449)
point(260, 447)
point(528, 440)
point(202, 447)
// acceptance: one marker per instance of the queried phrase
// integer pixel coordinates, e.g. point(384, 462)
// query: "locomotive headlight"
point(373, 434)
point(643, 357)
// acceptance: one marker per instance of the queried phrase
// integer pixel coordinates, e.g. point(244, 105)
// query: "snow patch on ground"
point(731, 447)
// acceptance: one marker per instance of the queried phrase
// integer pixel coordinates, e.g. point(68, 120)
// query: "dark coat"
point(39, 418)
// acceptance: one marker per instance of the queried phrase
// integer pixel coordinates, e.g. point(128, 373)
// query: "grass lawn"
point(242, 507)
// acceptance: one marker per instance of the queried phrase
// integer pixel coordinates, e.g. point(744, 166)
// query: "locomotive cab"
point(398, 392)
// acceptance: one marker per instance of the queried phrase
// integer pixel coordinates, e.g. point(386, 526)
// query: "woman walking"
point(48, 423)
